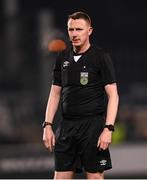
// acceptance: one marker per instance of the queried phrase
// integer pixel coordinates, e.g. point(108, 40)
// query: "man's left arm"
point(112, 108)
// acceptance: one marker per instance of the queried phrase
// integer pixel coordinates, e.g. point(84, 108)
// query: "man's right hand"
point(49, 138)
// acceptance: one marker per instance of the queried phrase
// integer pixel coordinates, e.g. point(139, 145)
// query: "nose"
point(74, 33)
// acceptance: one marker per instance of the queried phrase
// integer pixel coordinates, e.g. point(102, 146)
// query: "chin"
point(76, 44)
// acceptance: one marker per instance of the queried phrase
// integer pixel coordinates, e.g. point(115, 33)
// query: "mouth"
point(75, 41)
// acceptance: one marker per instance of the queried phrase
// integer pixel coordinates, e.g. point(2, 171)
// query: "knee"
point(96, 175)
point(63, 175)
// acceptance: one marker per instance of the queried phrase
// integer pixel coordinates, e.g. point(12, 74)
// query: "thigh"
point(98, 162)
point(65, 149)
point(92, 158)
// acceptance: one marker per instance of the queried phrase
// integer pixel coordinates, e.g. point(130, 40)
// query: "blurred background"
point(27, 29)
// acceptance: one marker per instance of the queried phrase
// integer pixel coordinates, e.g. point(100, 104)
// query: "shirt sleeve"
point(107, 69)
point(57, 71)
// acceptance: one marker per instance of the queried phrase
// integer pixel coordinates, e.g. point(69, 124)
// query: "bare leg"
point(97, 175)
point(63, 175)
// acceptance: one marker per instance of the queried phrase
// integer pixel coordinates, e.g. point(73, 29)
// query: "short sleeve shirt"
point(83, 81)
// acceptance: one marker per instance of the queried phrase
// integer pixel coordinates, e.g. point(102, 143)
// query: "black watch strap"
point(109, 126)
point(45, 123)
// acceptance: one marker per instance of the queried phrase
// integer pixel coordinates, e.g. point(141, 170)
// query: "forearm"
point(112, 109)
point(52, 105)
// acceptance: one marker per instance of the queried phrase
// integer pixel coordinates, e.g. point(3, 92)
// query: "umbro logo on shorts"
point(103, 162)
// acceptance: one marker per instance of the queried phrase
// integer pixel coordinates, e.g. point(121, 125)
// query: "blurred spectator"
point(6, 123)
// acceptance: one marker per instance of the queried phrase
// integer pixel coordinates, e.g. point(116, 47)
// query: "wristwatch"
point(45, 123)
point(109, 126)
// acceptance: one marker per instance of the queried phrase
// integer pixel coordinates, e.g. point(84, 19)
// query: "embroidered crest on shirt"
point(66, 64)
point(84, 78)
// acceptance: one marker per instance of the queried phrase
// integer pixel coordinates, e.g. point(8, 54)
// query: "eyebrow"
point(75, 28)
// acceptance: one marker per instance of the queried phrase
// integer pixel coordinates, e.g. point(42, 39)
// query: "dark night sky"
point(116, 23)
point(123, 23)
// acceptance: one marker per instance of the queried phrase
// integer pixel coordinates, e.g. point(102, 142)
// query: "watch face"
point(110, 127)
point(45, 123)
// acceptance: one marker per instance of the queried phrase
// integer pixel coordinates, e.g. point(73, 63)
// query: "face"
point(79, 31)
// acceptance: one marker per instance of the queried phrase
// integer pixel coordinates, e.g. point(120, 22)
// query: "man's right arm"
point(52, 106)
point(53, 103)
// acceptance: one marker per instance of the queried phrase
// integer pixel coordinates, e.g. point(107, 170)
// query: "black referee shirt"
point(83, 82)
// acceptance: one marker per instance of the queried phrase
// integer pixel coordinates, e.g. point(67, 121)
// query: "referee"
point(84, 81)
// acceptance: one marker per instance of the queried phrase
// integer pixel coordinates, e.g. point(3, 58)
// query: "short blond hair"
point(80, 15)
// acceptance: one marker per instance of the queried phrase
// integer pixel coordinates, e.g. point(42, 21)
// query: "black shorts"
point(76, 146)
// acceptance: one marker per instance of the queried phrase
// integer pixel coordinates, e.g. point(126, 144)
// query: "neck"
point(81, 49)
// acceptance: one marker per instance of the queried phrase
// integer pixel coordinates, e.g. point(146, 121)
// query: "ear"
point(90, 31)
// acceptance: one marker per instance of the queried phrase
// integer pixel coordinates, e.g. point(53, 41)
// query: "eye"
point(70, 29)
point(79, 29)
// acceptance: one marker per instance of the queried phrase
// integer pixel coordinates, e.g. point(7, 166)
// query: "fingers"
point(102, 145)
point(49, 146)
point(50, 143)
point(53, 141)
point(98, 143)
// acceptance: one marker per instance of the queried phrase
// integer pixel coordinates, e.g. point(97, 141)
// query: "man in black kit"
point(83, 77)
